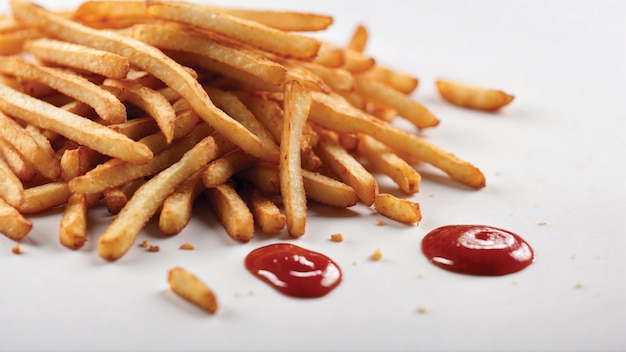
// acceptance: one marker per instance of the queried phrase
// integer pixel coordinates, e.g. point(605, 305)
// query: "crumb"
point(573, 256)
point(336, 237)
point(186, 246)
point(16, 249)
point(153, 248)
point(376, 255)
point(250, 293)
point(498, 173)
point(542, 222)
point(579, 285)
point(354, 262)
point(420, 276)
point(421, 309)
point(144, 244)
point(380, 223)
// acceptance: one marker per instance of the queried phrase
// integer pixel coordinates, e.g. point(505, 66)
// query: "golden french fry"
point(150, 101)
point(24, 170)
point(177, 207)
point(75, 162)
point(116, 198)
point(221, 169)
point(38, 156)
point(297, 106)
point(121, 233)
point(11, 188)
point(347, 168)
point(282, 20)
point(137, 128)
point(73, 227)
point(385, 160)
point(189, 287)
point(181, 39)
point(111, 14)
point(385, 95)
point(328, 191)
point(232, 212)
point(266, 213)
point(358, 41)
point(399, 81)
point(335, 113)
point(147, 58)
point(72, 126)
point(12, 223)
point(330, 56)
point(401, 210)
point(106, 104)
point(12, 43)
point(264, 176)
point(337, 79)
point(44, 197)
point(253, 33)
point(79, 57)
point(473, 97)
point(356, 62)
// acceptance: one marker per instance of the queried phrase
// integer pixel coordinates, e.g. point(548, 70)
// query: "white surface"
point(555, 155)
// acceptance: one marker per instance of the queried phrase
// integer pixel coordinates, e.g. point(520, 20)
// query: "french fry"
point(385, 95)
point(73, 226)
point(334, 113)
point(221, 169)
point(297, 105)
point(24, 170)
point(266, 213)
point(12, 43)
point(121, 233)
point(145, 57)
point(253, 33)
point(330, 56)
point(74, 127)
point(150, 101)
point(401, 82)
point(401, 210)
point(177, 207)
point(107, 105)
point(11, 188)
point(328, 191)
point(189, 287)
point(44, 197)
point(232, 212)
point(16, 135)
point(116, 198)
point(12, 223)
point(385, 160)
point(264, 176)
point(473, 97)
point(111, 14)
point(358, 41)
point(79, 57)
point(283, 20)
point(347, 168)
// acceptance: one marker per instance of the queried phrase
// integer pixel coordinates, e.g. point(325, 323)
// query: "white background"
point(555, 155)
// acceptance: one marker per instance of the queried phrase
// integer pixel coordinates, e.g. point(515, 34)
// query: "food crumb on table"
point(376, 255)
point(16, 249)
point(336, 237)
point(186, 246)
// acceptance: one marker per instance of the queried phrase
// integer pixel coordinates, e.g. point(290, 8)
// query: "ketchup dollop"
point(293, 270)
point(477, 250)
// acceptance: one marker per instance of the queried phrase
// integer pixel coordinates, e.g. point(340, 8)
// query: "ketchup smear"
point(293, 270)
point(477, 250)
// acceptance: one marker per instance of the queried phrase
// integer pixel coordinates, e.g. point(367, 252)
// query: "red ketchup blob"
point(293, 270)
point(477, 250)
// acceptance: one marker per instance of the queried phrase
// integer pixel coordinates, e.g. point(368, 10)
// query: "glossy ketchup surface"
point(477, 250)
point(293, 270)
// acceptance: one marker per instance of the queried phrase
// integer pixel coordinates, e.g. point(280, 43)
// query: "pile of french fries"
point(145, 106)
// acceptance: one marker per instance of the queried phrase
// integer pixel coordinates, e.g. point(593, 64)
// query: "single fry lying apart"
point(401, 210)
point(473, 97)
point(12, 223)
point(189, 287)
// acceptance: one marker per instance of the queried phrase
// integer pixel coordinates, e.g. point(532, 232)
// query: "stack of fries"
point(144, 106)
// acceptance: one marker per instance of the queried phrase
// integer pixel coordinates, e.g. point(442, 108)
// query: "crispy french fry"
point(79, 57)
point(399, 81)
point(24, 170)
point(297, 105)
point(189, 287)
point(232, 212)
point(334, 113)
point(358, 41)
point(282, 20)
point(221, 169)
point(401, 210)
point(12, 43)
point(44, 197)
point(111, 14)
point(116, 198)
point(385, 160)
point(347, 168)
point(473, 97)
point(264, 176)
point(12, 223)
point(253, 33)
point(11, 188)
point(120, 235)
point(326, 190)
point(330, 56)
point(177, 207)
point(145, 57)
point(266, 213)
point(44, 162)
point(74, 127)
point(73, 226)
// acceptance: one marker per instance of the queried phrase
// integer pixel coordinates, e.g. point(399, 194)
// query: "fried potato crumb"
point(376, 255)
point(16, 249)
point(144, 244)
point(579, 284)
point(542, 222)
point(152, 248)
point(186, 246)
point(380, 223)
point(336, 237)
point(422, 309)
